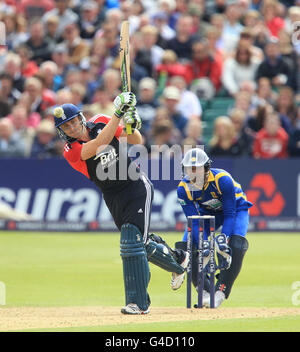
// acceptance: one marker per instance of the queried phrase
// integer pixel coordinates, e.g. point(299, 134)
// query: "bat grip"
point(128, 125)
point(128, 129)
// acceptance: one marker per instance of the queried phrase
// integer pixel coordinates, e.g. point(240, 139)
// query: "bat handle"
point(128, 127)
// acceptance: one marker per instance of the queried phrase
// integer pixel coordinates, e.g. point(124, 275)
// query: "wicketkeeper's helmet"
point(65, 113)
point(196, 157)
point(196, 167)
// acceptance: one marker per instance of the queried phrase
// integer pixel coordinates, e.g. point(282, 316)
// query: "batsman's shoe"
point(134, 309)
point(177, 279)
point(219, 298)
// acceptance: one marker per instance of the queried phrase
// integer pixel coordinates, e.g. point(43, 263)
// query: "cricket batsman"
point(93, 148)
point(209, 191)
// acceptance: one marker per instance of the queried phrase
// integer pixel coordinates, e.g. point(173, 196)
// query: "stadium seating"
point(219, 106)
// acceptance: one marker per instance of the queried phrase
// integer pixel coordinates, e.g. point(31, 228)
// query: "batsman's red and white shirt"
point(104, 168)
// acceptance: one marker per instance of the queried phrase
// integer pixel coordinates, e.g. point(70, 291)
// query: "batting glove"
point(123, 102)
point(131, 117)
point(205, 253)
point(224, 252)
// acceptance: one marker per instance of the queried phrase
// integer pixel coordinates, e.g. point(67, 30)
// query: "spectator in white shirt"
point(232, 27)
point(160, 21)
point(189, 104)
point(65, 14)
point(239, 69)
point(149, 37)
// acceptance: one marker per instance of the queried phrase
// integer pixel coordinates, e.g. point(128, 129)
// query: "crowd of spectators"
point(183, 53)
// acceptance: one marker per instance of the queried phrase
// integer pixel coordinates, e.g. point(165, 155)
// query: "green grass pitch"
point(66, 270)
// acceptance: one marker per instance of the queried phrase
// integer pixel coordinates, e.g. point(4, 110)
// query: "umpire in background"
point(93, 148)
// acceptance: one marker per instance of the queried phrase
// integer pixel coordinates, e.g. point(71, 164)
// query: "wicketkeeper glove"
point(131, 117)
point(123, 102)
point(224, 252)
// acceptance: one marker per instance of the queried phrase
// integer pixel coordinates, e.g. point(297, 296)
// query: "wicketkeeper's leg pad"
point(239, 246)
point(136, 271)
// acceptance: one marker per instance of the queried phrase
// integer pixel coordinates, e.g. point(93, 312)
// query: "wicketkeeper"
point(208, 191)
point(93, 148)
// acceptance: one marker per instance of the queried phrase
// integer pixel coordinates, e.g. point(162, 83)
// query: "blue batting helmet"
point(65, 113)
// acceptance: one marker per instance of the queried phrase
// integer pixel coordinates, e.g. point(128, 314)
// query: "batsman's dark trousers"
point(132, 205)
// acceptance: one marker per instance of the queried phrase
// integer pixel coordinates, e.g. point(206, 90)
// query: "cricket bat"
point(125, 63)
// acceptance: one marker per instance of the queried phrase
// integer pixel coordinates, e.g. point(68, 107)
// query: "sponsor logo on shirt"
point(108, 157)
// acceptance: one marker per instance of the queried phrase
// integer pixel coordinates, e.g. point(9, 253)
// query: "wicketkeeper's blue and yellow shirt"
point(222, 196)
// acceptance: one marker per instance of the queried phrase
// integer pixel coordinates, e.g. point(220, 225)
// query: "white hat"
point(172, 92)
point(147, 83)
